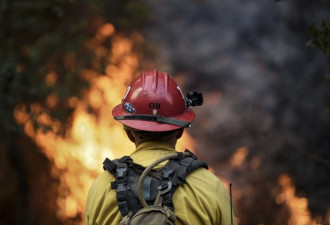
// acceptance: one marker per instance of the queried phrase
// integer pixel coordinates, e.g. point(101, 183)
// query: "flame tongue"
point(300, 215)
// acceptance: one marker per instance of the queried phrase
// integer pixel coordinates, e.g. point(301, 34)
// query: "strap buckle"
point(121, 170)
point(121, 192)
point(165, 188)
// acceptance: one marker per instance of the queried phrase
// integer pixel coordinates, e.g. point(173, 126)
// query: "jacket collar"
point(154, 146)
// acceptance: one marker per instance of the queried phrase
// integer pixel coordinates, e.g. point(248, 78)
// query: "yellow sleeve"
point(223, 201)
point(202, 200)
point(101, 206)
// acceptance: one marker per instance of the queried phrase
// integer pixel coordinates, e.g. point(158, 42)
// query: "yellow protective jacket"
point(203, 200)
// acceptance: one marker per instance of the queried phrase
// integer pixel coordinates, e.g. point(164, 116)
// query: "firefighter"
point(154, 113)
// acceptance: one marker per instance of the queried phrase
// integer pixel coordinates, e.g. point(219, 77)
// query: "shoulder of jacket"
point(203, 177)
point(102, 181)
point(203, 172)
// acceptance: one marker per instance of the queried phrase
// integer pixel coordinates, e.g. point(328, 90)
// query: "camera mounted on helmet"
point(194, 98)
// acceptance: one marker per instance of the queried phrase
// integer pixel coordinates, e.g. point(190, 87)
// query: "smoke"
point(264, 89)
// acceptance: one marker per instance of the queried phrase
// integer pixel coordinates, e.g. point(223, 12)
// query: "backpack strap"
point(188, 165)
point(166, 188)
point(110, 166)
point(119, 169)
point(175, 172)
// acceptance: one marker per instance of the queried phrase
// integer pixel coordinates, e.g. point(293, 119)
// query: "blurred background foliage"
point(39, 38)
point(43, 51)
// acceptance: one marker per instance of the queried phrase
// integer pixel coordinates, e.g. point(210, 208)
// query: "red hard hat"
point(154, 102)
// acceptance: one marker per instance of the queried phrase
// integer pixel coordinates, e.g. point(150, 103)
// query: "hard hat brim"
point(188, 115)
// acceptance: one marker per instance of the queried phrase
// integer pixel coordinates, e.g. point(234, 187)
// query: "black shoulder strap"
point(193, 164)
point(110, 166)
point(119, 169)
point(175, 173)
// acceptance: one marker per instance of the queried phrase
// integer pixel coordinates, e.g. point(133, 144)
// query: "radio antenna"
point(231, 205)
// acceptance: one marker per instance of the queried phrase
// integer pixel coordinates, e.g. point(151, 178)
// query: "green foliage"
point(321, 37)
point(46, 36)
point(321, 40)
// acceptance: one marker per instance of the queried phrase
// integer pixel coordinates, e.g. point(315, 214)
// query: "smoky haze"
point(264, 91)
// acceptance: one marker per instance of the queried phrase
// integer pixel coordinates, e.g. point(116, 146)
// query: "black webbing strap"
point(109, 165)
point(180, 168)
point(121, 183)
point(119, 169)
point(155, 118)
point(166, 188)
point(183, 166)
point(121, 189)
point(126, 159)
point(187, 165)
point(171, 180)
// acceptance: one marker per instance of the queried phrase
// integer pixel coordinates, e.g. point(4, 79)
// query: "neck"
point(172, 143)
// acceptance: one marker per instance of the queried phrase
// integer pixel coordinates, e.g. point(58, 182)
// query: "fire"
point(50, 79)
point(107, 29)
point(79, 155)
point(239, 157)
point(300, 215)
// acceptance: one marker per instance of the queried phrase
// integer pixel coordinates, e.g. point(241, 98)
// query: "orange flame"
point(300, 215)
point(90, 139)
point(239, 157)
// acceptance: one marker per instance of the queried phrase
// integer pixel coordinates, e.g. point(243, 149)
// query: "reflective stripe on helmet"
point(154, 118)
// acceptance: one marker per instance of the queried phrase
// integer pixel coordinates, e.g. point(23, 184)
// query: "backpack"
point(144, 195)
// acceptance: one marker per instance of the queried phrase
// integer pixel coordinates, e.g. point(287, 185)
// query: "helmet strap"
point(154, 118)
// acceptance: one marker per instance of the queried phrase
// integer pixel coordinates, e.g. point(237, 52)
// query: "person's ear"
point(179, 134)
point(130, 135)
